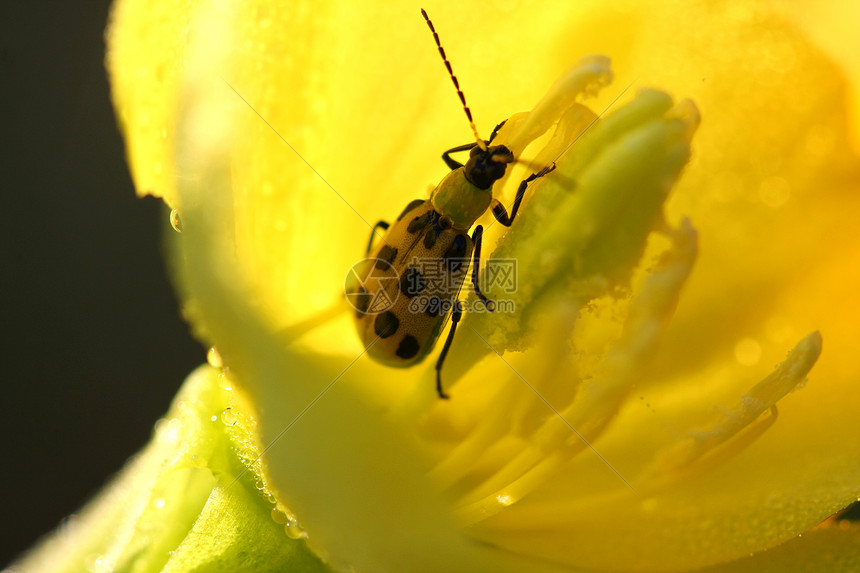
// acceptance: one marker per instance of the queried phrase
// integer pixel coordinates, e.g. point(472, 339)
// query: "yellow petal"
point(833, 549)
point(146, 61)
point(345, 473)
point(772, 191)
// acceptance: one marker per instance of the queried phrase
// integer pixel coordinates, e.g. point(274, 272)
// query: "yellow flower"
point(624, 418)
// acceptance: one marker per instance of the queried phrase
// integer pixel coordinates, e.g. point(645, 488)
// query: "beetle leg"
point(379, 225)
point(450, 161)
point(455, 318)
point(499, 211)
point(453, 163)
point(496, 131)
point(477, 236)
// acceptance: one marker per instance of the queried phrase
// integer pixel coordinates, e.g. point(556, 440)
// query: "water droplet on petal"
point(100, 565)
point(748, 352)
point(214, 359)
point(294, 530)
point(224, 379)
point(228, 417)
point(174, 429)
point(175, 221)
point(279, 516)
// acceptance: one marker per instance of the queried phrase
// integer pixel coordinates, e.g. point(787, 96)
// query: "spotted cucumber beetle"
point(431, 235)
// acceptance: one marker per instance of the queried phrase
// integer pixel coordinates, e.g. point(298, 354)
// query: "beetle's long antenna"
point(480, 141)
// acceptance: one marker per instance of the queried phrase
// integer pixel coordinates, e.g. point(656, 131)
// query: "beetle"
point(400, 309)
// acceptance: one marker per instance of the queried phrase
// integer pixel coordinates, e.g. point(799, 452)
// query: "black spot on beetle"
point(412, 282)
point(408, 347)
point(386, 254)
point(412, 205)
point(430, 238)
point(419, 223)
point(386, 324)
point(434, 307)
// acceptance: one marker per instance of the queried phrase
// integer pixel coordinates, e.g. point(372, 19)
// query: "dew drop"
point(174, 429)
point(68, 523)
point(778, 329)
point(175, 221)
point(160, 426)
point(748, 352)
point(224, 380)
point(279, 516)
point(228, 417)
point(294, 530)
point(214, 359)
point(99, 564)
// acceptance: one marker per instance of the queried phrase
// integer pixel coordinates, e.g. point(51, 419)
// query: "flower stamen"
point(566, 432)
point(711, 446)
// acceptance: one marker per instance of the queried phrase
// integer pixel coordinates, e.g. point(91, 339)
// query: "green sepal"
point(194, 500)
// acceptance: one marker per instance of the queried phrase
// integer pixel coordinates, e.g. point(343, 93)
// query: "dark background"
point(93, 347)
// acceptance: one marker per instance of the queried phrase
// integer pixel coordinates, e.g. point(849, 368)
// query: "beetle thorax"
point(465, 193)
point(460, 200)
